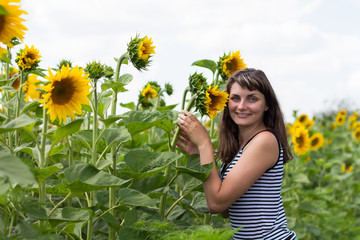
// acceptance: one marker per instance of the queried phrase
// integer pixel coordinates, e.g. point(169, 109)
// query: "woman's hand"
point(193, 134)
point(186, 145)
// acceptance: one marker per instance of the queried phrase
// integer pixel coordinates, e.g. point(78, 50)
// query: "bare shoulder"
point(266, 145)
point(265, 139)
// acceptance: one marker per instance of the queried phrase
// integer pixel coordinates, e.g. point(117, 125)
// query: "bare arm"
point(259, 155)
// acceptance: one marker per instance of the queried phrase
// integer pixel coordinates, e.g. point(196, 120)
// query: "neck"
point(245, 133)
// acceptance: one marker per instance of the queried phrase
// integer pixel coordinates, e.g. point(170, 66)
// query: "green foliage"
point(321, 201)
point(120, 177)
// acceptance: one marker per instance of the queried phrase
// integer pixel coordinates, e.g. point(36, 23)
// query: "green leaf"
point(65, 130)
point(56, 150)
point(3, 11)
point(125, 79)
point(301, 178)
point(111, 119)
point(139, 121)
point(205, 63)
point(38, 72)
point(143, 161)
point(141, 164)
point(17, 123)
point(132, 197)
point(85, 178)
point(165, 108)
point(4, 57)
point(43, 173)
point(13, 168)
point(116, 135)
point(193, 168)
point(103, 106)
point(130, 105)
point(29, 105)
point(71, 214)
point(112, 221)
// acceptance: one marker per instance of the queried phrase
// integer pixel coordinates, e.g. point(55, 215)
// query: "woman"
point(253, 147)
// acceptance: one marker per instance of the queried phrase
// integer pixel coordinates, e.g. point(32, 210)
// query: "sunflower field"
point(72, 168)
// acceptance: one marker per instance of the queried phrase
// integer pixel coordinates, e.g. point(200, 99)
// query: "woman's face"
point(246, 107)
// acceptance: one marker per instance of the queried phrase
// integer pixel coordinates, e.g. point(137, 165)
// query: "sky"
point(309, 49)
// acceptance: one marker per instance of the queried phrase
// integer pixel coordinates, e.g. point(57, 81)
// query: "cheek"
point(231, 106)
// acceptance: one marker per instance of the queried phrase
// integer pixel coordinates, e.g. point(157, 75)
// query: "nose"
point(242, 105)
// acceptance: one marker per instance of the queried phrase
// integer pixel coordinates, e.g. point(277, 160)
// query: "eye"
point(252, 99)
point(235, 98)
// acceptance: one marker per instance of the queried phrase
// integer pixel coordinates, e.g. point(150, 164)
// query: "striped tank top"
point(260, 211)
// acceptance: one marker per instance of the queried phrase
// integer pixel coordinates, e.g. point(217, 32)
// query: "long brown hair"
point(252, 79)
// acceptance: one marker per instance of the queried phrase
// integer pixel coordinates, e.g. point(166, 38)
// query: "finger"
point(189, 115)
point(183, 141)
point(184, 135)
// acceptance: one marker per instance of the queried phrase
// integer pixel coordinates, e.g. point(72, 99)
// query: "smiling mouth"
point(242, 115)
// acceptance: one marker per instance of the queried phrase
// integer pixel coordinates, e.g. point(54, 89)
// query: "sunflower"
point(355, 125)
point(340, 119)
point(316, 141)
point(356, 134)
point(215, 101)
point(145, 48)
point(65, 93)
point(342, 112)
point(305, 121)
point(140, 51)
point(149, 92)
point(10, 23)
point(30, 88)
point(347, 169)
point(300, 140)
point(230, 63)
point(294, 126)
point(354, 117)
point(28, 58)
point(14, 78)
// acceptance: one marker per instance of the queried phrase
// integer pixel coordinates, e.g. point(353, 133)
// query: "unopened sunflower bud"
point(169, 89)
point(95, 69)
point(197, 82)
point(64, 62)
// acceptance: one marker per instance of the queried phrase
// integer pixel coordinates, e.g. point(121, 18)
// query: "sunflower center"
point(31, 55)
point(213, 101)
point(2, 22)
point(63, 91)
point(314, 142)
point(300, 140)
point(302, 119)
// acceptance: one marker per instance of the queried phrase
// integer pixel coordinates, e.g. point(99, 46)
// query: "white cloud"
point(299, 56)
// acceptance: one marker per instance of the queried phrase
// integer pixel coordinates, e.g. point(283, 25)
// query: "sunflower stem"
point(8, 113)
point(176, 135)
point(172, 148)
point(112, 192)
point(93, 157)
point(184, 97)
point(17, 113)
point(42, 161)
point(216, 81)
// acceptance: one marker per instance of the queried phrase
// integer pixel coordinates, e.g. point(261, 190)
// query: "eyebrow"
point(250, 95)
